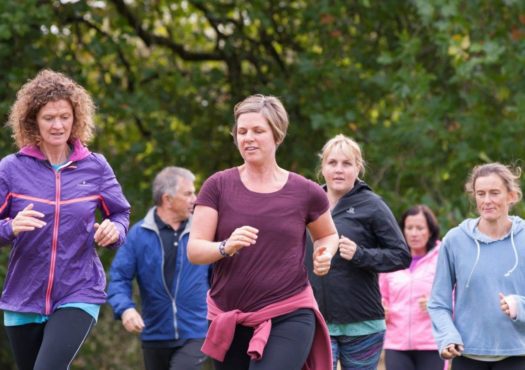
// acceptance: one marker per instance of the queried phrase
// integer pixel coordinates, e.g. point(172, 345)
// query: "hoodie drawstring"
point(515, 255)
point(475, 263)
point(516, 259)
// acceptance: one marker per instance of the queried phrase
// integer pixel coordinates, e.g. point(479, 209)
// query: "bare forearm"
point(330, 241)
point(202, 252)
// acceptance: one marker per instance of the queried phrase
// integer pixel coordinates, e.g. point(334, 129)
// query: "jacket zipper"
point(54, 243)
point(173, 301)
point(410, 308)
point(177, 281)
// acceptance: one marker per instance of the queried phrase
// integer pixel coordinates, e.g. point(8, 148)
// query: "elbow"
point(192, 254)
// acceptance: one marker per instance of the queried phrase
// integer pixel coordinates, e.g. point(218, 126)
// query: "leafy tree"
point(428, 87)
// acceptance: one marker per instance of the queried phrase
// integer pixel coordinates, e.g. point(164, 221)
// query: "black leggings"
point(187, 356)
point(413, 360)
point(52, 345)
point(509, 363)
point(287, 348)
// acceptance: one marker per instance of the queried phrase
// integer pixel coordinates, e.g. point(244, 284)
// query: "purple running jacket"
point(58, 263)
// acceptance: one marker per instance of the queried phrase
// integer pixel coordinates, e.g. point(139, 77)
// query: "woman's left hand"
point(347, 248)
point(106, 233)
point(423, 302)
point(322, 261)
point(508, 305)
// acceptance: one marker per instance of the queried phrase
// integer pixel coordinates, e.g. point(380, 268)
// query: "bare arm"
point(325, 240)
point(202, 249)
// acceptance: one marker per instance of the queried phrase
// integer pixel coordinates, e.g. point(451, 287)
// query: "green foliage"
point(430, 88)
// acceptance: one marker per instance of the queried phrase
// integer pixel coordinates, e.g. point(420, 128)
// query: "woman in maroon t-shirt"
point(250, 221)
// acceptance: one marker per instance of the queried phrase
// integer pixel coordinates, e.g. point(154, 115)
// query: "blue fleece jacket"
point(464, 305)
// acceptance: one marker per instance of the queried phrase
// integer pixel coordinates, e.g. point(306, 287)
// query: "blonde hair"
point(510, 177)
point(271, 109)
point(49, 86)
point(346, 146)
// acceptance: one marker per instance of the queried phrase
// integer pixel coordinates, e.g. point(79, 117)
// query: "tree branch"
point(152, 39)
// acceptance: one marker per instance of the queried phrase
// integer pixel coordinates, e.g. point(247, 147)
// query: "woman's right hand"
point(241, 237)
point(322, 261)
point(27, 220)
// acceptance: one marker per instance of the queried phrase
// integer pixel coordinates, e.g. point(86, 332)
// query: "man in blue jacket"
point(173, 323)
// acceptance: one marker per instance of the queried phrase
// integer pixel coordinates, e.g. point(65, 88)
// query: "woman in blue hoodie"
point(477, 305)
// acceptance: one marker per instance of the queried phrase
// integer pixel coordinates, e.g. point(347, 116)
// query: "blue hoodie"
point(474, 268)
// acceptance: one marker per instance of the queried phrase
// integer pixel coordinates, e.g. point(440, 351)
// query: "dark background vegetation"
point(429, 88)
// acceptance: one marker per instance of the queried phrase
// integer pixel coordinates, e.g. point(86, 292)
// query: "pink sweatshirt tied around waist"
point(222, 329)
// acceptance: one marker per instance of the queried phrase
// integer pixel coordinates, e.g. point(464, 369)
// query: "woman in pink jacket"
point(409, 344)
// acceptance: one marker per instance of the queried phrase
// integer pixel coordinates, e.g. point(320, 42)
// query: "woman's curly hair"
point(48, 86)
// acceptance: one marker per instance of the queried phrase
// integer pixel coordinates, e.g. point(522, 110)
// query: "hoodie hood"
point(78, 152)
point(431, 254)
point(361, 192)
point(470, 228)
point(359, 186)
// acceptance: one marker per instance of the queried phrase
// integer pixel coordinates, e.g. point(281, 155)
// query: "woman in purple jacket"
point(49, 193)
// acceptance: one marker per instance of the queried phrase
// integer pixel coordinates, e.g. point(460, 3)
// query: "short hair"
point(272, 110)
point(346, 146)
point(49, 86)
point(432, 223)
point(509, 175)
point(167, 182)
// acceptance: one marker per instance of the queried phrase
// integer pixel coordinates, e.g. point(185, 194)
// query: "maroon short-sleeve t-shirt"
point(272, 269)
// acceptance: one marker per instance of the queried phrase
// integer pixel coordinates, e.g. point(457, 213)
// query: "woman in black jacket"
point(370, 242)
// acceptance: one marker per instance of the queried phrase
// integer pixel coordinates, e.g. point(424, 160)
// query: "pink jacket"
point(408, 327)
point(222, 328)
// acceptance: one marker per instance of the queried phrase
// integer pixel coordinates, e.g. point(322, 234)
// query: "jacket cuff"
point(6, 231)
